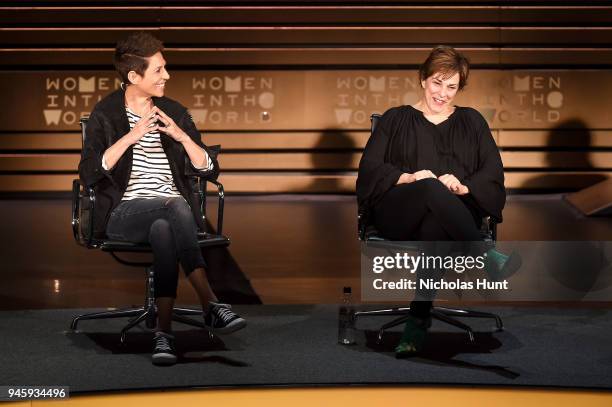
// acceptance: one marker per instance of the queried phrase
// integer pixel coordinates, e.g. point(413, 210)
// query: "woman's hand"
point(407, 178)
point(452, 183)
point(143, 126)
point(419, 175)
point(197, 155)
point(170, 127)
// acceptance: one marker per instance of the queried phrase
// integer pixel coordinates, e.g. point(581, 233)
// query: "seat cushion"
point(204, 240)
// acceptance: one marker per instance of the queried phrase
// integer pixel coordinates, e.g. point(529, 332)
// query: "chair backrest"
point(365, 230)
point(83, 204)
point(374, 119)
point(83, 122)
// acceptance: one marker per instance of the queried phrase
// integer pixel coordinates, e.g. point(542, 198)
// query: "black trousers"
point(426, 210)
point(167, 224)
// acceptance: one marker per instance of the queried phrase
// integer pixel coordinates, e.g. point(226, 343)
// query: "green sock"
point(413, 337)
point(499, 266)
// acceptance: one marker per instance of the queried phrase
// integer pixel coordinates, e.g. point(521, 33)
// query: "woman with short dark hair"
point(431, 171)
point(139, 148)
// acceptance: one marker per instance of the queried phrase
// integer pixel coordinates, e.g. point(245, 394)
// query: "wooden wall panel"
point(241, 14)
point(557, 159)
point(316, 161)
point(555, 136)
point(260, 35)
point(263, 56)
point(252, 141)
point(40, 141)
point(585, 138)
point(228, 140)
point(314, 35)
point(565, 36)
point(251, 182)
point(557, 12)
point(334, 140)
point(308, 57)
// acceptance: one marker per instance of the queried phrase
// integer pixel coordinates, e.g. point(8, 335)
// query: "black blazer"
point(107, 123)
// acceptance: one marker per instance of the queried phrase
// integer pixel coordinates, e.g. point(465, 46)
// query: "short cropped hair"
point(447, 61)
point(132, 52)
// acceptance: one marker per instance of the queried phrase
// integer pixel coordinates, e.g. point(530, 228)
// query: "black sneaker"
point(164, 353)
point(221, 319)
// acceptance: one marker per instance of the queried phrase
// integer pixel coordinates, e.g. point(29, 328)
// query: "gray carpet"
point(297, 345)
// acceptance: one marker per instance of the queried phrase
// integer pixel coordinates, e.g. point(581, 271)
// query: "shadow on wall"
point(332, 154)
point(567, 149)
point(226, 277)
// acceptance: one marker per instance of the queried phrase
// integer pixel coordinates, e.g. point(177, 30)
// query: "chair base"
point(147, 313)
point(443, 314)
point(138, 315)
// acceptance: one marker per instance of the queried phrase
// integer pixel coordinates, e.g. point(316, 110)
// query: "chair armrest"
point(82, 229)
point(362, 223)
point(361, 227)
point(220, 196)
point(88, 194)
point(489, 229)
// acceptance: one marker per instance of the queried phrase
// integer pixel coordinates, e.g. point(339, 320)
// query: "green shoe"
point(413, 337)
point(499, 266)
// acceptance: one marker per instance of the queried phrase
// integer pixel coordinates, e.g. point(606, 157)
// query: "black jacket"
point(405, 141)
point(107, 123)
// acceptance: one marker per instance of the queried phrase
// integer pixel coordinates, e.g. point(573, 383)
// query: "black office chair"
point(368, 233)
point(83, 209)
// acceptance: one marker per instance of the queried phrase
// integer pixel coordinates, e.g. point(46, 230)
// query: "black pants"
point(167, 224)
point(426, 210)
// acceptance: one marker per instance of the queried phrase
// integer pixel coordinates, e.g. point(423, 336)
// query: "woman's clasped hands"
point(449, 180)
point(156, 120)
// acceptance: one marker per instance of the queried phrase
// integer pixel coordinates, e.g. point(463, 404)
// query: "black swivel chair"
point(83, 209)
point(368, 233)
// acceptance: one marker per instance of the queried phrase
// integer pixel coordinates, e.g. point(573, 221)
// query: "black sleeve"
point(94, 146)
point(487, 183)
point(376, 176)
point(188, 126)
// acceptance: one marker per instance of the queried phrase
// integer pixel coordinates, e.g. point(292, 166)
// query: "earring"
point(123, 86)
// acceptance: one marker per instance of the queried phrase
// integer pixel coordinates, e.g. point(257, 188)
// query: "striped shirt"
point(151, 176)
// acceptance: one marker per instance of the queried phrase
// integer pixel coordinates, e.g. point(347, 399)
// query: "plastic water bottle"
point(346, 319)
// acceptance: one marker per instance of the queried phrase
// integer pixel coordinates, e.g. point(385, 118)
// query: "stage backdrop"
point(288, 90)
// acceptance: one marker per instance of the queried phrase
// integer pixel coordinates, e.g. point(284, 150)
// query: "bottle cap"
point(346, 290)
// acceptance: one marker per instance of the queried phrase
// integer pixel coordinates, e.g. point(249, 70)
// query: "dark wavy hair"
point(132, 52)
point(447, 61)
